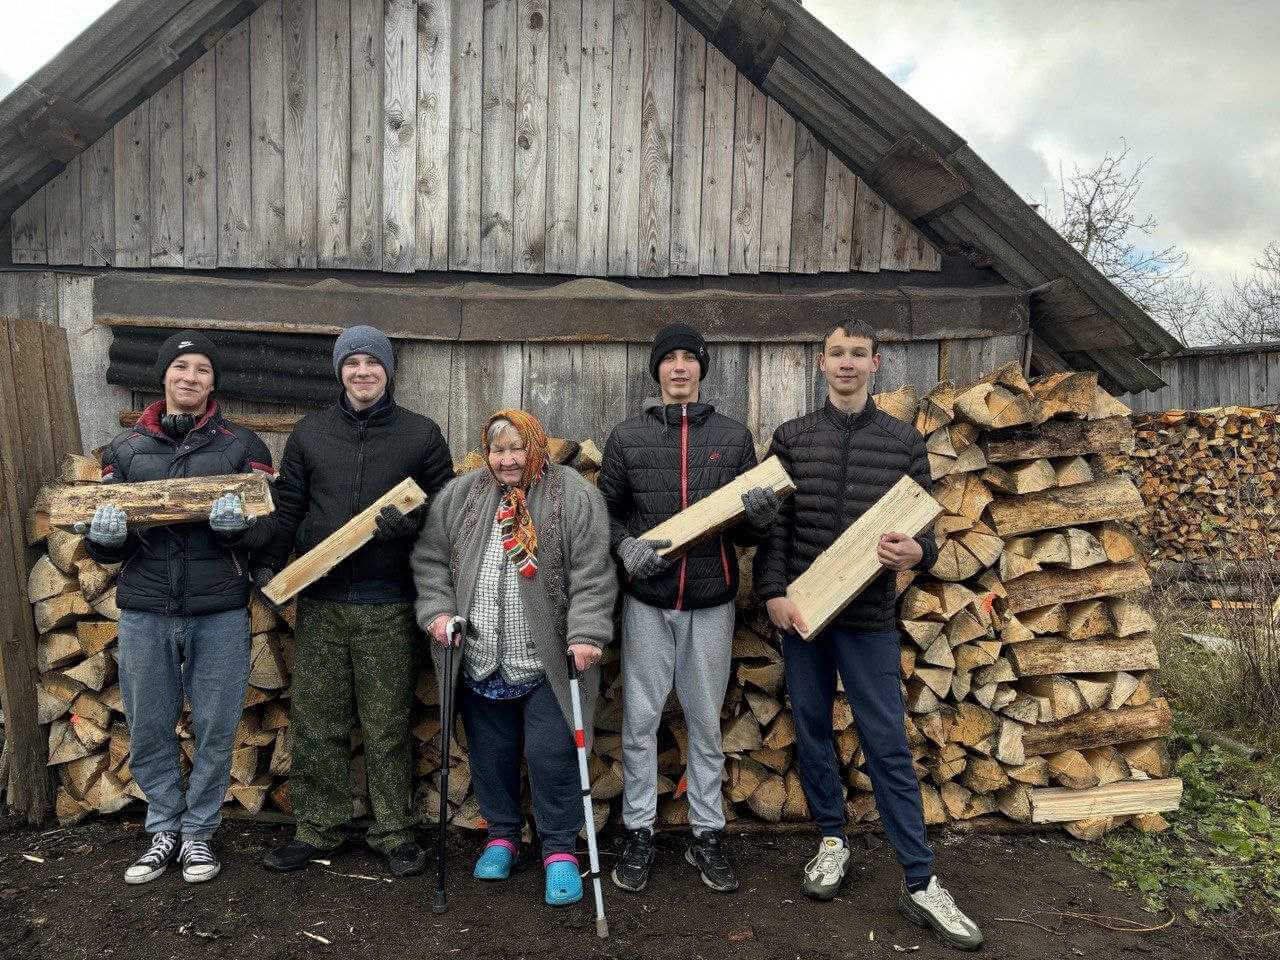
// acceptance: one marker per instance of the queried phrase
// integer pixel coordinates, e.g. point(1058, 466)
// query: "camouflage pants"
point(355, 663)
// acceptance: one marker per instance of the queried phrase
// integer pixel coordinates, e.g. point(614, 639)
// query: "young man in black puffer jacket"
point(843, 458)
point(678, 615)
point(183, 594)
point(356, 636)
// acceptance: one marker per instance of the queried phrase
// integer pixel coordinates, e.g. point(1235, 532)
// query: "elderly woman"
point(521, 551)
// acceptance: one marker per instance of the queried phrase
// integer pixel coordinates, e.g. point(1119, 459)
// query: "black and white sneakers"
point(934, 907)
point(149, 866)
point(706, 852)
point(632, 869)
point(199, 864)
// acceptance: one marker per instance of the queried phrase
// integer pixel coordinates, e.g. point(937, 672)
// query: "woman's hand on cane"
point(585, 655)
point(439, 630)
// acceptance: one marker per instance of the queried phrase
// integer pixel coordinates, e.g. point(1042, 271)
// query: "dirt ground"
point(74, 905)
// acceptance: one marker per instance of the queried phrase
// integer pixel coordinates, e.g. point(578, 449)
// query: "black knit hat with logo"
point(188, 341)
point(679, 336)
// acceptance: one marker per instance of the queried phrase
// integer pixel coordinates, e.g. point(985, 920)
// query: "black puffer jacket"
point(183, 569)
point(337, 462)
point(655, 465)
point(841, 465)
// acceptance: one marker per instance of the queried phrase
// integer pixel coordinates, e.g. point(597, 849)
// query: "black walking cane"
point(580, 738)
point(453, 631)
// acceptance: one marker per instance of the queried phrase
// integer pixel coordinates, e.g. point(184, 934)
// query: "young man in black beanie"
point(678, 614)
point(356, 635)
point(183, 593)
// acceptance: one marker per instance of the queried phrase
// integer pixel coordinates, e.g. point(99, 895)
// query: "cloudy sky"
point(1033, 87)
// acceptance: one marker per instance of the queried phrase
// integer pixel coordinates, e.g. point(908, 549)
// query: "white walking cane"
point(580, 738)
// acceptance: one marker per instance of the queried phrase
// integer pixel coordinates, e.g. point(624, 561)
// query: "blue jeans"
point(870, 666)
point(161, 658)
point(495, 729)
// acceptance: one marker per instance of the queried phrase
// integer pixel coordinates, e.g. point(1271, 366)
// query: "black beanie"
point(188, 341)
point(679, 336)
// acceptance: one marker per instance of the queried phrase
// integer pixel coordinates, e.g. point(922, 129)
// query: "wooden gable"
point(581, 137)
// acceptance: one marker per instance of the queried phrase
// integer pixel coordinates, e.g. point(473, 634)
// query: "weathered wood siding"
point(589, 137)
point(1212, 379)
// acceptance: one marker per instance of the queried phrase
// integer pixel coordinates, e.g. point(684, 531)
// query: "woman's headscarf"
point(519, 538)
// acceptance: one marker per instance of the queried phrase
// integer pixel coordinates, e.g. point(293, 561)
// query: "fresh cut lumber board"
point(158, 502)
point(407, 496)
point(1126, 797)
point(721, 509)
point(846, 567)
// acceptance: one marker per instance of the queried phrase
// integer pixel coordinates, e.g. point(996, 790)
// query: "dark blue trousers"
point(869, 664)
point(497, 730)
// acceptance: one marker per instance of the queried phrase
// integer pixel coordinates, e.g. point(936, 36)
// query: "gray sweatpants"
point(692, 648)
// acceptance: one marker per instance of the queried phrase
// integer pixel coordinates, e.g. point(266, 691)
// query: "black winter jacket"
point(841, 465)
point(182, 569)
point(335, 464)
point(654, 466)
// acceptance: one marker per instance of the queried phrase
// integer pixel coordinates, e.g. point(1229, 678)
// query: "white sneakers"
point(824, 874)
point(196, 856)
point(934, 907)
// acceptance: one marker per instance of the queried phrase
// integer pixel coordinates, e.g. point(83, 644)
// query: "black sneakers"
point(294, 855)
point(407, 860)
point(706, 852)
point(632, 870)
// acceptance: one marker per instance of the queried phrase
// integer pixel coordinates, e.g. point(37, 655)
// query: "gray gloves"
point(762, 507)
point(640, 557)
point(108, 528)
point(227, 516)
point(392, 524)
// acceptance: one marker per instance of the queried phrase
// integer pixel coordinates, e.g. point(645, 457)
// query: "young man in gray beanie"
point(356, 635)
point(678, 613)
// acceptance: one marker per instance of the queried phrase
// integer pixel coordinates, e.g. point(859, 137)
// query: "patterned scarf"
point(519, 538)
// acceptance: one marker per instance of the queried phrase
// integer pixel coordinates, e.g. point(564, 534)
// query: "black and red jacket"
point(182, 569)
point(660, 462)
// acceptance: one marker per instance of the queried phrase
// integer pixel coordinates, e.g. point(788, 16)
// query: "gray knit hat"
point(364, 339)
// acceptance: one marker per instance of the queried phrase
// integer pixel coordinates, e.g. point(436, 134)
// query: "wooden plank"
point(780, 387)
point(29, 237)
point(300, 98)
point(62, 215)
point(868, 230)
point(604, 374)
point(133, 188)
point(399, 135)
point(837, 219)
point(625, 137)
point(921, 254)
point(657, 96)
point(435, 37)
point(1100, 728)
point(367, 42)
point(266, 85)
point(157, 502)
point(167, 231)
point(1062, 438)
point(235, 189)
point(719, 509)
point(200, 164)
point(779, 187)
point(564, 93)
point(333, 133)
point(491, 377)
point(529, 201)
point(914, 364)
point(916, 179)
point(725, 384)
point(894, 254)
point(1048, 587)
point(423, 381)
point(688, 99)
point(26, 348)
point(844, 569)
point(808, 202)
point(498, 139)
point(97, 196)
point(554, 388)
point(595, 122)
point(1111, 498)
point(1123, 798)
point(1057, 655)
point(748, 178)
point(64, 420)
point(406, 496)
point(466, 131)
point(717, 162)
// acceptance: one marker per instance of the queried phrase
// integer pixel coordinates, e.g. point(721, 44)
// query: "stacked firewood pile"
point(1027, 662)
point(1210, 481)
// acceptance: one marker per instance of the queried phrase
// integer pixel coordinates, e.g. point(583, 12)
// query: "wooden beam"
point(407, 496)
point(1062, 438)
point(846, 567)
point(1101, 728)
point(1112, 498)
point(157, 502)
point(1056, 655)
point(1046, 587)
point(1126, 797)
point(749, 34)
point(916, 180)
point(720, 509)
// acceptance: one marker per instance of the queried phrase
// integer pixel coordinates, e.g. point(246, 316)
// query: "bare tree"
point(1250, 312)
point(1100, 217)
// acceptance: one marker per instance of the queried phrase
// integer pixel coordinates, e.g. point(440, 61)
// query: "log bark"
point(158, 502)
point(1062, 438)
point(1049, 587)
point(1057, 655)
point(1113, 498)
point(1101, 728)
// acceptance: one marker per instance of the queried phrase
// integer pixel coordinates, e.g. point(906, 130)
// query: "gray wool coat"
point(570, 599)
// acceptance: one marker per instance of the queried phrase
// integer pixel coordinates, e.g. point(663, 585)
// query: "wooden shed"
point(521, 192)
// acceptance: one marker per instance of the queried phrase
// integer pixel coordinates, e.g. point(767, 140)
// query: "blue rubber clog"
point(495, 863)
point(564, 885)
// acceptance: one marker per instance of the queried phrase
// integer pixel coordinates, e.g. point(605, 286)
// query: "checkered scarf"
point(519, 538)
